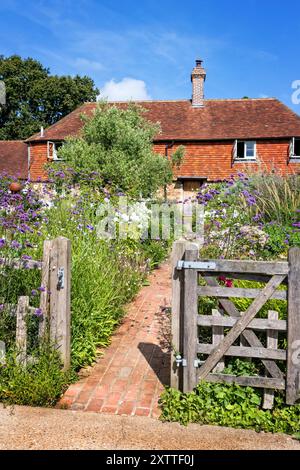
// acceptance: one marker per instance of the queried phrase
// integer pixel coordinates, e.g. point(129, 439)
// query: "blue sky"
point(146, 49)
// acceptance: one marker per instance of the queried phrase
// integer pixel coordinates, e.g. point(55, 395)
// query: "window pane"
point(241, 150)
point(250, 149)
point(297, 147)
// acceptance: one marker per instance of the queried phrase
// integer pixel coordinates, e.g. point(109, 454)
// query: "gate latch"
point(180, 361)
point(198, 265)
point(60, 278)
point(198, 363)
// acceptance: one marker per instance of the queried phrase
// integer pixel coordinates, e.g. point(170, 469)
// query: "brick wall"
point(212, 160)
point(38, 160)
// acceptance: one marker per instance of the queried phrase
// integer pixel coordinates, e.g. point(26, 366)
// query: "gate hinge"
point(180, 361)
point(198, 265)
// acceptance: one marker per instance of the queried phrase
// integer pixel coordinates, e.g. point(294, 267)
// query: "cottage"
point(221, 136)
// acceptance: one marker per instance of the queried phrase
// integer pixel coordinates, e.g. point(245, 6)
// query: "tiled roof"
point(13, 158)
point(217, 120)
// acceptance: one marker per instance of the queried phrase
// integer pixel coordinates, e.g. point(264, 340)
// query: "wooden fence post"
point(21, 329)
point(44, 302)
point(60, 297)
point(190, 324)
point(293, 357)
point(272, 343)
point(176, 313)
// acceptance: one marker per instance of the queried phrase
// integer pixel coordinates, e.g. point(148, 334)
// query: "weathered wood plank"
point(217, 337)
point(235, 292)
point(256, 382)
point(253, 267)
point(260, 324)
point(60, 298)
point(240, 326)
point(44, 299)
point(178, 251)
point(249, 335)
point(21, 329)
point(190, 329)
point(247, 277)
point(272, 343)
point(293, 364)
point(242, 351)
point(13, 308)
point(20, 263)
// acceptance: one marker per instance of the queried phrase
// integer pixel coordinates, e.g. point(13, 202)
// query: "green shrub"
point(117, 143)
point(277, 197)
point(230, 405)
point(39, 384)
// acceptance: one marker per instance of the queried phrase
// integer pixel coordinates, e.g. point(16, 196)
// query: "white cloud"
point(125, 90)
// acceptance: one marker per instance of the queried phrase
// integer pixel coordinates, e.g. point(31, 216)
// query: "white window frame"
point(245, 158)
point(293, 156)
point(54, 156)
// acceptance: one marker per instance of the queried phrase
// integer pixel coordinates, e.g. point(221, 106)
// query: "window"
point(192, 185)
point(245, 150)
point(53, 148)
point(295, 148)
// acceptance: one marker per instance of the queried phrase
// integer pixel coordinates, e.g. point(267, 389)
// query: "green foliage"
point(229, 405)
point(37, 384)
point(178, 156)
point(278, 198)
point(117, 143)
point(280, 239)
point(35, 98)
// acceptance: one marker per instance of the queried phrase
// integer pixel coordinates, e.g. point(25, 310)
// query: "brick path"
point(130, 376)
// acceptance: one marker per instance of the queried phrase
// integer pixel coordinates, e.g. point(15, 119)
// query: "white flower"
point(125, 217)
point(134, 217)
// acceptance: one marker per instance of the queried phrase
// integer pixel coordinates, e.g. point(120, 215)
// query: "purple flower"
point(90, 227)
point(42, 289)
point(34, 292)
point(38, 312)
point(15, 245)
point(2, 242)
point(26, 257)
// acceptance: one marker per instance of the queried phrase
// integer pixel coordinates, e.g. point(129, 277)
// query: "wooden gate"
point(241, 339)
point(55, 299)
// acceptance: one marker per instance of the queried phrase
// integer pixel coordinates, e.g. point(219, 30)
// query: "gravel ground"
point(40, 428)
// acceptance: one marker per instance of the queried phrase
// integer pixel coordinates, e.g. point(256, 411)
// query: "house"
point(14, 158)
point(221, 136)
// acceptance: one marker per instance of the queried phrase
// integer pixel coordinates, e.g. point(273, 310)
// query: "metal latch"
point(61, 278)
point(198, 265)
point(198, 363)
point(180, 361)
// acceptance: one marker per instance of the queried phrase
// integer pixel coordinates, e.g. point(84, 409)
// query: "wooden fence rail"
point(55, 310)
point(241, 338)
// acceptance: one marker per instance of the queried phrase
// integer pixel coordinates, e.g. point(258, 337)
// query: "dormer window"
point(244, 150)
point(295, 149)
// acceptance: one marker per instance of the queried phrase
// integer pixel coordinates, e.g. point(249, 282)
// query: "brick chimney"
point(198, 78)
